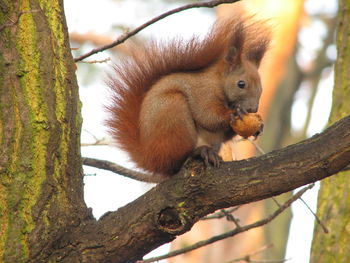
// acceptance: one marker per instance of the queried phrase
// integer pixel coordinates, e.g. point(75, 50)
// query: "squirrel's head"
point(242, 85)
point(242, 88)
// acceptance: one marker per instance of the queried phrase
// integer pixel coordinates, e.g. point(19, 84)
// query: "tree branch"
point(115, 168)
point(231, 233)
point(131, 174)
point(173, 206)
point(123, 37)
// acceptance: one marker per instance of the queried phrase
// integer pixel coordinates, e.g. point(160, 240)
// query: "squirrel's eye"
point(241, 84)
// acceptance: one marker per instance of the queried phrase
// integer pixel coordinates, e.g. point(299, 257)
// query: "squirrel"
point(171, 100)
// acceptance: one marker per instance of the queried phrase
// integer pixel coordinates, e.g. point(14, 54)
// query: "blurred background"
point(297, 76)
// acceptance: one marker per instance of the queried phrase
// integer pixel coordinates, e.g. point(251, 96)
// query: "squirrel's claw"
point(239, 112)
point(208, 154)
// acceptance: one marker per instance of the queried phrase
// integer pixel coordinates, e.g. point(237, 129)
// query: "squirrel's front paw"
point(208, 154)
point(238, 113)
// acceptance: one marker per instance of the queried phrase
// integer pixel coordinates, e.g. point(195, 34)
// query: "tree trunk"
point(334, 195)
point(41, 189)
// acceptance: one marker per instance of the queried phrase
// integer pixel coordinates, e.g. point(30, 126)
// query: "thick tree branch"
point(173, 206)
point(126, 35)
point(231, 233)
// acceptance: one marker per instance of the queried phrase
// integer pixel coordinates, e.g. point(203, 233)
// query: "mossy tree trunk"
point(40, 167)
point(334, 195)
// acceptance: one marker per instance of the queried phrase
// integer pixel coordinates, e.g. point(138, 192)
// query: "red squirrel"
point(174, 99)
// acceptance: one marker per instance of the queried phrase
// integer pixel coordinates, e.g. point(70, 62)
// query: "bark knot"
point(173, 221)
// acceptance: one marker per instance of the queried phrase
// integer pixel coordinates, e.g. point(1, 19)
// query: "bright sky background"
point(105, 191)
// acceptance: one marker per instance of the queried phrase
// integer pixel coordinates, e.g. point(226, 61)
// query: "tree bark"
point(333, 206)
point(41, 188)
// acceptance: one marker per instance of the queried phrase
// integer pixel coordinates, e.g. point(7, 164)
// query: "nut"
point(251, 124)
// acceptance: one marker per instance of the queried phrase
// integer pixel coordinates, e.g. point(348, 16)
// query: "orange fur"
point(161, 142)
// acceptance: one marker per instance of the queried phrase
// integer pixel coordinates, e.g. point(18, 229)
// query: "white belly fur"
point(209, 138)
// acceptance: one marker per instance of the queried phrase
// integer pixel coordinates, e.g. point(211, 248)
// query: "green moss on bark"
point(38, 123)
point(3, 219)
point(29, 144)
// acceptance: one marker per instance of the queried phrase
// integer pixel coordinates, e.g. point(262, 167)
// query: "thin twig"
point(101, 142)
point(252, 141)
point(96, 61)
point(308, 207)
point(325, 229)
point(91, 134)
point(106, 165)
point(276, 202)
point(248, 258)
point(232, 232)
point(97, 142)
point(230, 217)
point(220, 214)
point(256, 145)
point(133, 32)
point(262, 249)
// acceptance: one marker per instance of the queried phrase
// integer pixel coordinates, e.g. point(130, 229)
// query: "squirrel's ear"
point(256, 52)
point(235, 48)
